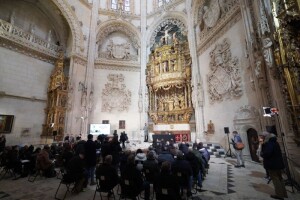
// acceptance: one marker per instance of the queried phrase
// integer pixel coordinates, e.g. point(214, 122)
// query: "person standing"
point(273, 163)
point(238, 151)
point(123, 138)
point(91, 158)
point(146, 132)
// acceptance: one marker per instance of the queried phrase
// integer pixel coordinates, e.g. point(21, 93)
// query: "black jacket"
point(272, 155)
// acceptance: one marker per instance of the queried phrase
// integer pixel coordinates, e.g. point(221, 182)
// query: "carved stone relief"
point(212, 10)
point(268, 55)
point(246, 116)
point(224, 80)
point(263, 23)
point(118, 51)
point(114, 95)
point(118, 27)
point(212, 17)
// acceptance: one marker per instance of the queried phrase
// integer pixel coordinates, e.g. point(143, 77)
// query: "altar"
point(175, 136)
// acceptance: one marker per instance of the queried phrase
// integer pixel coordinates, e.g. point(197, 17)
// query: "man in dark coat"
point(91, 158)
point(110, 174)
point(166, 180)
point(182, 166)
point(273, 163)
point(132, 174)
point(76, 171)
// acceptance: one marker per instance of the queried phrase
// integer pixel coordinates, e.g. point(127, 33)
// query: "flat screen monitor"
point(98, 129)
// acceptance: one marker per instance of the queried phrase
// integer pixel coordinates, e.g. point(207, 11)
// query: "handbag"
point(239, 145)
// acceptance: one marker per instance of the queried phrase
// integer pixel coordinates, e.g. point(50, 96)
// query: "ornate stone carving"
point(28, 40)
point(118, 51)
point(246, 116)
point(224, 80)
point(211, 13)
point(212, 27)
point(246, 112)
point(268, 55)
point(118, 27)
point(117, 67)
point(78, 59)
point(114, 95)
point(263, 23)
point(258, 69)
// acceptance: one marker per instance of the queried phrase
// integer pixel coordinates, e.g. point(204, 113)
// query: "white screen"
point(97, 129)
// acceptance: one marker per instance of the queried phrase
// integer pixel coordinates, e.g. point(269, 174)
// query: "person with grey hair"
point(107, 170)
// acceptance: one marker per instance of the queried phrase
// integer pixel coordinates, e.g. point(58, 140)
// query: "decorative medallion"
point(224, 80)
point(114, 95)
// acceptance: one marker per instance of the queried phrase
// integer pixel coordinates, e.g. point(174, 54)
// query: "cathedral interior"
point(192, 68)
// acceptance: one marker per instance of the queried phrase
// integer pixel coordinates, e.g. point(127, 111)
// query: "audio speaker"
point(54, 133)
point(226, 130)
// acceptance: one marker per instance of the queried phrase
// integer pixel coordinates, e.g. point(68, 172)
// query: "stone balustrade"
point(29, 40)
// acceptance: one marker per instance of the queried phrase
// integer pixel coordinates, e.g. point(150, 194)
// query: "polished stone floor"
point(223, 181)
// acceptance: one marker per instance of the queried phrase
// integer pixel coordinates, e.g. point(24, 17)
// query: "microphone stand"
point(228, 153)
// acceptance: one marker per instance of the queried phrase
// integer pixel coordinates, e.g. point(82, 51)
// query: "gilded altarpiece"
point(169, 77)
point(57, 103)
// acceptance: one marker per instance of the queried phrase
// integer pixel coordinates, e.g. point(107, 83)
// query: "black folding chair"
point(103, 186)
point(129, 189)
point(69, 182)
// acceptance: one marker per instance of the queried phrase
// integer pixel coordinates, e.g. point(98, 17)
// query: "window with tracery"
point(162, 2)
point(114, 4)
point(120, 5)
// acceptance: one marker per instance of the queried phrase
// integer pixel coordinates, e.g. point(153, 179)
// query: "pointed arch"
point(177, 18)
point(126, 28)
point(73, 22)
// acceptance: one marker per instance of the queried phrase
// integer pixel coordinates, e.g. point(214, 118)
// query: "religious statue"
point(110, 48)
point(176, 102)
point(175, 39)
point(210, 127)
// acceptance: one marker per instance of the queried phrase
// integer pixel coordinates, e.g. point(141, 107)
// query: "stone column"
point(254, 57)
point(89, 76)
point(143, 56)
point(197, 92)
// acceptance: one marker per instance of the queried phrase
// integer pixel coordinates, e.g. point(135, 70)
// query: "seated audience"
point(165, 155)
point(44, 163)
point(132, 174)
point(76, 171)
point(107, 170)
point(183, 167)
point(166, 180)
point(140, 157)
point(150, 167)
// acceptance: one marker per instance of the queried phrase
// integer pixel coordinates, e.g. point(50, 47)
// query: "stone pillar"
point(254, 58)
point(197, 94)
point(143, 56)
point(89, 76)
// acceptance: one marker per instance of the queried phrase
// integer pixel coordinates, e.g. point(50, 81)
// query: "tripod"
point(228, 153)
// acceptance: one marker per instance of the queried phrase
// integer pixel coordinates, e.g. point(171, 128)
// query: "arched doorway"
point(253, 143)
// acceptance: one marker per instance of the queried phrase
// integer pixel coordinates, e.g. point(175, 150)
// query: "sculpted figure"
point(110, 48)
